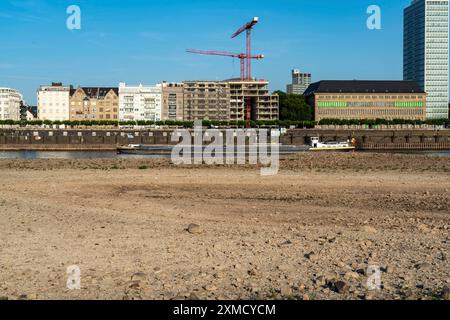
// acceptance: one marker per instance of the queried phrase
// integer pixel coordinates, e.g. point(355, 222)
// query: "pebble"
point(340, 286)
point(369, 229)
point(133, 285)
point(423, 266)
point(193, 296)
point(424, 228)
point(194, 229)
point(252, 272)
point(320, 281)
point(286, 291)
point(210, 287)
point(286, 243)
point(157, 270)
point(311, 256)
point(139, 276)
point(351, 276)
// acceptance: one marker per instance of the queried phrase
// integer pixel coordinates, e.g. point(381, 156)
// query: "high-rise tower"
point(426, 48)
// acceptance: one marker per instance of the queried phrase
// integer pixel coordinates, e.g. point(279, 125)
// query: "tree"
point(293, 107)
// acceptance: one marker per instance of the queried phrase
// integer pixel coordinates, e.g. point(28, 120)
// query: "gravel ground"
point(149, 230)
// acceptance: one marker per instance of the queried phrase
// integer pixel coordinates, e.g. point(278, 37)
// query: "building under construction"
point(245, 99)
point(264, 106)
point(227, 100)
point(206, 100)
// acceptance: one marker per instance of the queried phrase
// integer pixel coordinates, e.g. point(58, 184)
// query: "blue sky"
point(144, 41)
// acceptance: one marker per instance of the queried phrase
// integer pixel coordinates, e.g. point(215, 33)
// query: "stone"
point(157, 270)
point(193, 296)
point(138, 276)
point(424, 228)
point(134, 285)
point(339, 286)
point(320, 280)
point(311, 256)
point(194, 229)
point(219, 275)
point(3, 298)
point(369, 229)
point(286, 291)
point(301, 287)
point(351, 276)
point(423, 266)
point(286, 243)
point(210, 287)
point(305, 297)
point(252, 272)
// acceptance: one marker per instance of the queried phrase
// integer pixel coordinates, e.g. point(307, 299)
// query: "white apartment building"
point(10, 101)
point(140, 103)
point(53, 102)
point(426, 50)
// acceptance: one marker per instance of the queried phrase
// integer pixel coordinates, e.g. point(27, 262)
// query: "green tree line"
point(293, 107)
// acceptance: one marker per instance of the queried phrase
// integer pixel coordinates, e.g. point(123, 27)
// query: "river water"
point(72, 155)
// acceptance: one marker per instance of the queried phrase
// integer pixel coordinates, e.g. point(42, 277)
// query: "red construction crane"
point(248, 27)
point(242, 56)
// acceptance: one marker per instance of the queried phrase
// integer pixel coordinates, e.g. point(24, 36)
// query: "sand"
point(311, 232)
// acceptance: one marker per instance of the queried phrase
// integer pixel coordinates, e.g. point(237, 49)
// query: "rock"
point(210, 287)
point(387, 269)
point(339, 286)
point(311, 256)
point(320, 280)
point(3, 298)
point(139, 276)
point(301, 287)
point(446, 293)
point(194, 229)
point(369, 229)
point(305, 297)
point(286, 291)
point(134, 285)
point(219, 275)
point(351, 276)
point(424, 228)
point(423, 266)
point(368, 296)
point(252, 272)
point(193, 296)
point(157, 270)
point(286, 243)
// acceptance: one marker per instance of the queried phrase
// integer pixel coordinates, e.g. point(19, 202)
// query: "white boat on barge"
point(334, 146)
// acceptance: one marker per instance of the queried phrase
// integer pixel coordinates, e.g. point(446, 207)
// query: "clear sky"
point(144, 41)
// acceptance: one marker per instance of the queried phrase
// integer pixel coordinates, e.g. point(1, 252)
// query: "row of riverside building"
point(187, 101)
point(216, 100)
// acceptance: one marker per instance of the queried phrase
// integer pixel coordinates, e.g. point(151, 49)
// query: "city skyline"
point(132, 43)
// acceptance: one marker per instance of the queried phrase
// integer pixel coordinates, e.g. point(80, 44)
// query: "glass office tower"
point(426, 36)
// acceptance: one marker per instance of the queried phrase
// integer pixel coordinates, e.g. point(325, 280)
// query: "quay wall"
point(91, 139)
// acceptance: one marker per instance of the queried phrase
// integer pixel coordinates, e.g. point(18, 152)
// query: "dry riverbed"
point(311, 232)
